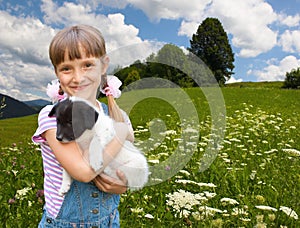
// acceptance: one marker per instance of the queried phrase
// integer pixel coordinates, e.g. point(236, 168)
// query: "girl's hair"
point(113, 108)
point(72, 40)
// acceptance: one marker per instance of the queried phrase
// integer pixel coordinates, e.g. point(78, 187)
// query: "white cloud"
point(289, 20)
point(233, 80)
point(290, 41)
point(27, 38)
point(24, 62)
point(276, 71)
point(119, 4)
point(187, 28)
point(164, 9)
point(17, 77)
point(113, 27)
point(118, 35)
point(248, 22)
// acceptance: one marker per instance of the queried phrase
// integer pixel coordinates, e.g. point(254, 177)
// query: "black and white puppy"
point(78, 120)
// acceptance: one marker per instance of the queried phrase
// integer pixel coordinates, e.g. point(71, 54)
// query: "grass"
point(252, 178)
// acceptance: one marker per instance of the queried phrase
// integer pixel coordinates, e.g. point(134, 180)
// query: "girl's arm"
point(108, 184)
point(70, 156)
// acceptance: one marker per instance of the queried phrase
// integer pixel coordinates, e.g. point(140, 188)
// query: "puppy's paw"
point(64, 189)
point(66, 183)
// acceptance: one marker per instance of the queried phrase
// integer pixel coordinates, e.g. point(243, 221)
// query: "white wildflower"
point(265, 208)
point(149, 216)
point(185, 213)
point(290, 212)
point(197, 216)
point(22, 192)
point(14, 172)
point(183, 200)
point(245, 219)
point(234, 140)
point(271, 151)
point(137, 210)
point(184, 172)
point(211, 210)
point(169, 132)
point(153, 161)
point(226, 201)
point(210, 185)
point(156, 179)
point(239, 211)
point(293, 152)
point(209, 195)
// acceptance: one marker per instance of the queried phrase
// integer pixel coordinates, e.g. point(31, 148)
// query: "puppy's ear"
point(53, 111)
point(96, 116)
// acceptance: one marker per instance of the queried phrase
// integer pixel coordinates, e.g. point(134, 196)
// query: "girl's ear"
point(105, 62)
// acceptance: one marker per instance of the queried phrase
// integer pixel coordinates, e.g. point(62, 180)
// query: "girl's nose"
point(77, 76)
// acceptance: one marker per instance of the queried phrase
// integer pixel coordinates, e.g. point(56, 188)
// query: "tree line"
point(208, 61)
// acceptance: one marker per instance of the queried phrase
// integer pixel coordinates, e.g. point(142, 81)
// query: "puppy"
point(78, 120)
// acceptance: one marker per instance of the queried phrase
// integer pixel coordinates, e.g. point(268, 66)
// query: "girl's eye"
point(64, 69)
point(88, 65)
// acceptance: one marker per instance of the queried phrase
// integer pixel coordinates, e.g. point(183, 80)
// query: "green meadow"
point(215, 161)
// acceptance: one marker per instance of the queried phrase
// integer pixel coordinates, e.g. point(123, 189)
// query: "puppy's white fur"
point(129, 160)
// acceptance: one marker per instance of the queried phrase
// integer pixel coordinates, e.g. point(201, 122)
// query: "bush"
point(292, 79)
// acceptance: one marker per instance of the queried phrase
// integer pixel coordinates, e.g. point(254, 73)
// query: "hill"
point(14, 108)
point(37, 104)
point(266, 84)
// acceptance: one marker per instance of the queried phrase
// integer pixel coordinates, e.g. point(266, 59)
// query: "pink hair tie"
point(53, 91)
point(113, 87)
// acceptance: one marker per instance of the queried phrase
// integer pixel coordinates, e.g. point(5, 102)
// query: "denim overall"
point(85, 206)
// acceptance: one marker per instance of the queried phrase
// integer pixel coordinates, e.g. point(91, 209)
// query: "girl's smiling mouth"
point(79, 87)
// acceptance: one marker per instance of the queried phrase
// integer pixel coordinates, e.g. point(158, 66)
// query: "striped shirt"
point(52, 168)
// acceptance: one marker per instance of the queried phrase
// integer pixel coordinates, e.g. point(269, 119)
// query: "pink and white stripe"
point(52, 168)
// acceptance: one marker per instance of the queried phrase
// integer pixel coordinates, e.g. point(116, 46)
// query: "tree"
point(292, 79)
point(132, 77)
point(2, 105)
point(211, 45)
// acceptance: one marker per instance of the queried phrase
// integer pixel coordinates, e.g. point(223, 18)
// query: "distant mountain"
point(37, 104)
point(14, 108)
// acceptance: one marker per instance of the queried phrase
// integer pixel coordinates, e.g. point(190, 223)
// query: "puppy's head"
point(73, 117)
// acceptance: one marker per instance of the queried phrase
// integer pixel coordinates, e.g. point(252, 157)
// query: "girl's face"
point(81, 77)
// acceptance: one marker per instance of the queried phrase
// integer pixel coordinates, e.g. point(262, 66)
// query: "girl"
point(79, 58)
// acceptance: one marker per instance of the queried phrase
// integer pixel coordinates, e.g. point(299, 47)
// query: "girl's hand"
point(111, 185)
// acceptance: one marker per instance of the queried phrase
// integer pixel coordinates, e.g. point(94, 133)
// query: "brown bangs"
point(75, 39)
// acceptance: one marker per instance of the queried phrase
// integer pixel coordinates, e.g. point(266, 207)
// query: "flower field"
point(253, 179)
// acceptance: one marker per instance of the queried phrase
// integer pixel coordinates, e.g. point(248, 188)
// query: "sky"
point(264, 35)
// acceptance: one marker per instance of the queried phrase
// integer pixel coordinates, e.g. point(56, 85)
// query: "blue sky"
point(264, 34)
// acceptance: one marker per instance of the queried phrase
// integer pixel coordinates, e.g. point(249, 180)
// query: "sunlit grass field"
point(253, 180)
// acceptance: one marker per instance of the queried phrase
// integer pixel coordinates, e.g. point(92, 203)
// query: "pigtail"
point(111, 92)
point(114, 109)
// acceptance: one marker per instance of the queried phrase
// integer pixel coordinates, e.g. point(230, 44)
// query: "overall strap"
point(105, 108)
